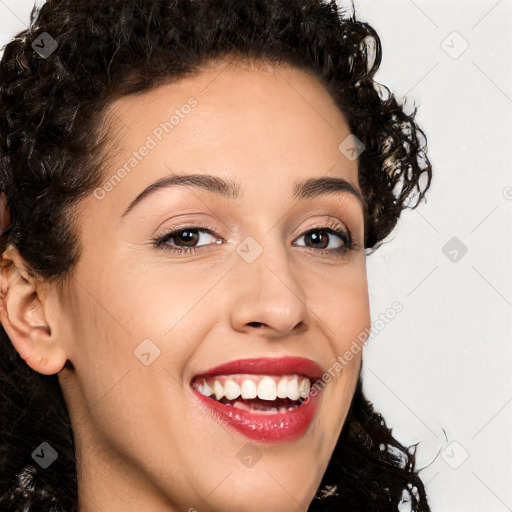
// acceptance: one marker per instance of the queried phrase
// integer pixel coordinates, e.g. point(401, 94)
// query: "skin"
point(143, 441)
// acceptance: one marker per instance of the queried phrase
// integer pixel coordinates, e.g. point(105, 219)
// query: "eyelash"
point(331, 228)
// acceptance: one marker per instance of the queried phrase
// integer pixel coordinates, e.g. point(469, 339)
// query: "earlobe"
point(23, 314)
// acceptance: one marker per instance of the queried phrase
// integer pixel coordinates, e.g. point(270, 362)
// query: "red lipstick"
point(259, 426)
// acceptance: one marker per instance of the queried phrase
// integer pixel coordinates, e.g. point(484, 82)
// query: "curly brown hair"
point(53, 137)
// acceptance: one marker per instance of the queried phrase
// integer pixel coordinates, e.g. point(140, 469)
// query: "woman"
point(193, 188)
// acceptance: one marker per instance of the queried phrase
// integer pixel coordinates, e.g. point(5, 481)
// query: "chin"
point(266, 493)
point(275, 483)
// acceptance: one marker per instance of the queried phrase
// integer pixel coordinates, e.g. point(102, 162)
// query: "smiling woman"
point(191, 190)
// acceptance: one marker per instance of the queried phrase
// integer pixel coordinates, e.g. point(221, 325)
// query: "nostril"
point(255, 324)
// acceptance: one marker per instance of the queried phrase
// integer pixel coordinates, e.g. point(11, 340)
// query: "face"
point(197, 274)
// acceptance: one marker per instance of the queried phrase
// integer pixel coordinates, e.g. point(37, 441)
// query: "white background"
point(440, 372)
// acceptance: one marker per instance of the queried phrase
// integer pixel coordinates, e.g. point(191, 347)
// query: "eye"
point(327, 240)
point(186, 240)
point(189, 236)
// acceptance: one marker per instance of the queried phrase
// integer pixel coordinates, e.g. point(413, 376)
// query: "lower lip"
point(265, 428)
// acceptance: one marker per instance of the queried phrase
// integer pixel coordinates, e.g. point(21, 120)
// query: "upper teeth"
point(251, 386)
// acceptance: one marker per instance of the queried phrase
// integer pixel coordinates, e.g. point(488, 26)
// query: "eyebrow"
point(307, 189)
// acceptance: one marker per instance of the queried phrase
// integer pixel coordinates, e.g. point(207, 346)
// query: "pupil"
point(316, 238)
point(189, 233)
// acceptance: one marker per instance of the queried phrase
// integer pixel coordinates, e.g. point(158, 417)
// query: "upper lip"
point(268, 366)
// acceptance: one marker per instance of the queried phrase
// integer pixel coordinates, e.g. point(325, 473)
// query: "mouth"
point(265, 399)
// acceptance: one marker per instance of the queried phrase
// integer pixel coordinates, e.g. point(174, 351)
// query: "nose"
point(267, 297)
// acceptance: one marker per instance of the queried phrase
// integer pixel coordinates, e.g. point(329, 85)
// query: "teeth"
point(270, 410)
point(206, 390)
point(218, 389)
point(267, 389)
point(249, 387)
point(292, 389)
point(231, 389)
point(282, 386)
point(304, 387)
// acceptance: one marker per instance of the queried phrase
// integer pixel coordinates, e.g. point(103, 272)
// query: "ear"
point(24, 310)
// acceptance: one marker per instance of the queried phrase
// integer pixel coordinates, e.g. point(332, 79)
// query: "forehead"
point(248, 121)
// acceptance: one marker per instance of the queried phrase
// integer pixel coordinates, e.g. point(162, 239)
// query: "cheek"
point(127, 374)
point(341, 304)
point(351, 324)
point(341, 313)
point(111, 323)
